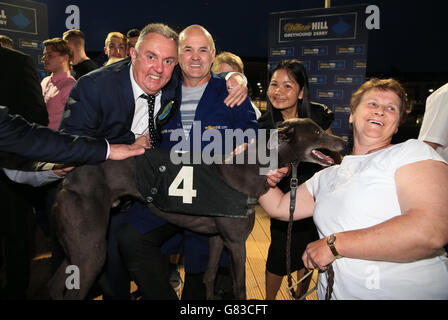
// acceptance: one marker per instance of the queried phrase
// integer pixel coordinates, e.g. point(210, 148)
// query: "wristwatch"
point(331, 240)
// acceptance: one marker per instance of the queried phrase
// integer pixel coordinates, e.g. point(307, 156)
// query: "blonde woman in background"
point(229, 62)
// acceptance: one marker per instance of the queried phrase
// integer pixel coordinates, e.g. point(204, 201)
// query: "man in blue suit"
point(108, 103)
point(200, 96)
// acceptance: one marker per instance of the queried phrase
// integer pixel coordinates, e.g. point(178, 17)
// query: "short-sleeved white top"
point(360, 193)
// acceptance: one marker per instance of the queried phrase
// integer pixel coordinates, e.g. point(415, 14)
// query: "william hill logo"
point(318, 27)
point(310, 29)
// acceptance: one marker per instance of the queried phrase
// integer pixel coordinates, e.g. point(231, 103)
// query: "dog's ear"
point(285, 131)
point(273, 140)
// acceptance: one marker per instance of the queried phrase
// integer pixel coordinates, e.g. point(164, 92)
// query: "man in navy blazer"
point(107, 103)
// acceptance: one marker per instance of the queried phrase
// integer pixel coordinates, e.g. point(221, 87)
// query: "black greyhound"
point(82, 206)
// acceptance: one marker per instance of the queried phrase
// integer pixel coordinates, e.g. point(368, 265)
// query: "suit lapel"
point(125, 93)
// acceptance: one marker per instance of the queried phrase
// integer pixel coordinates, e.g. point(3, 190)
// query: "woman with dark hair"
point(288, 95)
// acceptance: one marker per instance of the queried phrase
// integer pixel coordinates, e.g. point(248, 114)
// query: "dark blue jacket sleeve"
point(43, 144)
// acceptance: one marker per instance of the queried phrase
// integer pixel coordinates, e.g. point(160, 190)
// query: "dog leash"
point(292, 206)
point(330, 282)
point(306, 294)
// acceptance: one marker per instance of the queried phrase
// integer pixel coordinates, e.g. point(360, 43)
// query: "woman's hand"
point(143, 141)
point(318, 255)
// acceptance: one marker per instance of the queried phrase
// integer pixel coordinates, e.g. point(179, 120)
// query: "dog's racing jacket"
point(192, 189)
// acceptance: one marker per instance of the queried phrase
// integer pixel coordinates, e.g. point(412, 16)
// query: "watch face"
point(331, 239)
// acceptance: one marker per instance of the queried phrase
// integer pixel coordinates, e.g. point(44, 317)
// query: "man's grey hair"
point(159, 28)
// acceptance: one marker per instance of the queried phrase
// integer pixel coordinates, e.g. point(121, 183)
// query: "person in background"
point(229, 62)
point(288, 97)
point(115, 46)
point(21, 92)
point(57, 86)
point(82, 64)
point(131, 39)
point(434, 129)
point(19, 86)
point(382, 214)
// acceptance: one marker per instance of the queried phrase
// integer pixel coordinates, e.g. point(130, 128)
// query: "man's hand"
point(62, 169)
point(124, 151)
point(275, 176)
point(143, 141)
point(242, 147)
point(237, 90)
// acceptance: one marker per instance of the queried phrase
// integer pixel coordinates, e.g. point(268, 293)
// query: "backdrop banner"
point(332, 43)
point(26, 23)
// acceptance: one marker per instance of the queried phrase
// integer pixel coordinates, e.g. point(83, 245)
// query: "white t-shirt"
point(360, 193)
point(435, 122)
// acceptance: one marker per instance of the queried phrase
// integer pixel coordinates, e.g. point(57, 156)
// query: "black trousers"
point(149, 267)
point(145, 262)
point(15, 213)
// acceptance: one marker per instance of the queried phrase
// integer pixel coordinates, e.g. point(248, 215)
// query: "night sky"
point(412, 35)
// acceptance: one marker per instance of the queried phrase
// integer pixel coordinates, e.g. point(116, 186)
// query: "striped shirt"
point(190, 101)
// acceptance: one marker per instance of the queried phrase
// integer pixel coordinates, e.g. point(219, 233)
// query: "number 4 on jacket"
point(187, 192)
